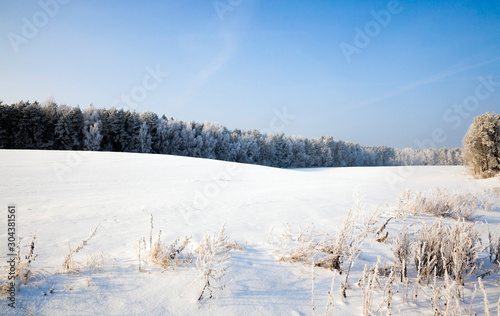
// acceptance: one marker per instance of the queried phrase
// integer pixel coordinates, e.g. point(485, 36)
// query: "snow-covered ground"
point(62, 195)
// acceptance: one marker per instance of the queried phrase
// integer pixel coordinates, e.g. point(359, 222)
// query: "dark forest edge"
point(26, 125)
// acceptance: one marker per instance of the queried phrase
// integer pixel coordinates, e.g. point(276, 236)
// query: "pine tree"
point(151, 119)
point(164, 137)
point(69, 128)
point(6, 126)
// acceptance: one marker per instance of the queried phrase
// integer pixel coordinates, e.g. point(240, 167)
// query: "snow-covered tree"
point(144, 138)
point(164, 137)
point(91, 129)
point(151, 119)
point(482, 144)
point(69, 128)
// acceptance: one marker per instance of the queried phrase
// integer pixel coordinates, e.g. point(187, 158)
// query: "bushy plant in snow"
point(441, 202)
point(163, 254)
point(169, 255)
point(402, 248)
point(444, 249)
point(213, 263)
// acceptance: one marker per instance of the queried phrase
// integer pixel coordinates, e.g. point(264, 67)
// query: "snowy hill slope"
point(61, 195)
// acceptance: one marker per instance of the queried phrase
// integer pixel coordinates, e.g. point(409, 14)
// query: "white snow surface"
point(62, 195)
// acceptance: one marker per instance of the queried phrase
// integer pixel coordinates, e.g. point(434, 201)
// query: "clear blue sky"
point(399, 88)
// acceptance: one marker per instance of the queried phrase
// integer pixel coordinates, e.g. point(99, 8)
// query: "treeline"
point(59, 127)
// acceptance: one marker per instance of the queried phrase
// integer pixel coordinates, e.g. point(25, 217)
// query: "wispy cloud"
point(456, 69)
point(211, 68)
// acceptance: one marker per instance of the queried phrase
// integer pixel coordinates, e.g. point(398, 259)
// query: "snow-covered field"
point(62, 195)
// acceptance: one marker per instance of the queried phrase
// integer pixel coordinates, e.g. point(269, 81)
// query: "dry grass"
point(4, 282)
point(302, 248)
point(95, 262)
point(237, 247)
point(494, 245)
point(69, 265)
point(165, 255)
point(170, 255)
point(443, 249)
point(443, 203)
point(368, 282)
point(483, 174)
point(334, 253)
point(402, 248)
point(330, 303)
point(445, 299)
point(24, 270)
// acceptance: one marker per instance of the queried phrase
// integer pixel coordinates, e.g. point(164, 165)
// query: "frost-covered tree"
point(91, 129)
point(209, 137)
point(116, 124)
point(164, 137)
point(130, 134)
point(69, 128)
point(482, 144)
point(281, 151)
point(144, 138)
point(5, 128)
point(151, 119)
point(253, 151)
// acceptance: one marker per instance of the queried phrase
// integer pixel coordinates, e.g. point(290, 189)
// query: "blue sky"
point(240, 62)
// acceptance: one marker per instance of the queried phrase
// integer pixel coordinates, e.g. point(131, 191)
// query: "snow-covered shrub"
point(494, 245)
point(324, 250)
point(300, 248)
point(441, 202)
point(444, 249)
point(345, 247)
point(481, 145)
point(402, 250)
point(213, 263)
point(445, 299)
point(163, 254)
point(24, 270)
point(169, 255)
